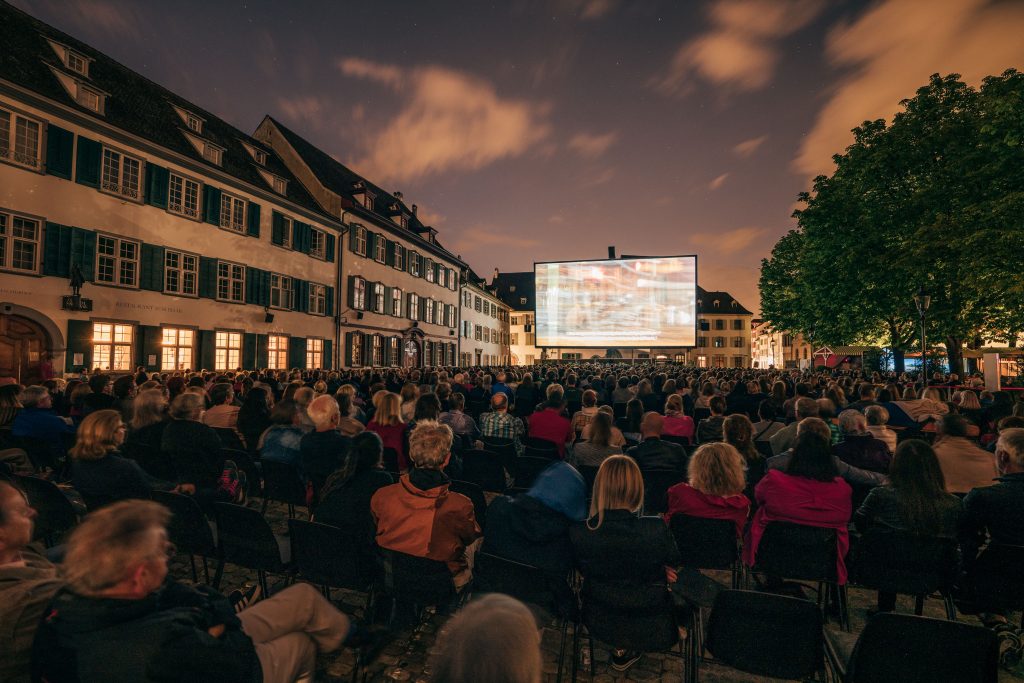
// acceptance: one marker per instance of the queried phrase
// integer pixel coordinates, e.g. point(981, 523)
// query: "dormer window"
point(194, 123)
point(276, 183)
point(212, 153)
point(368, 200)
point(77, 63)
point(258, 155)
point(717, 303)
point(403, 220)
point(84, 95)
point(280, 185)
point(89, 98)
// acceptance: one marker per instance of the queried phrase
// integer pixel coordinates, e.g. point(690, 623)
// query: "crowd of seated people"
point(333, 428)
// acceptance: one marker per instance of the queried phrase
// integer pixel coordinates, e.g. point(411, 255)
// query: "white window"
point(77, 63)
point(212, 153)
point(477, 304)
point(183, 196)
point(258, 155)
point(378, 297)
point(286, 232)
point(282, 291)
point(121, 174)
point(414, 264)
point(230, 282)
point(194, 123)
point(232, 213)
point(19, 139)
point(378, 350)
point(280, 185)
point(317, 299)
point(356, 358)
point(399, 263)
point(177, 346)
point(359, 239)
point(314, 353)
point(181, 273)
point(487, 334)
point(522, 300)
point(112, 346)
point(227, 350)
point(89, 98)
point(478, 333)
point(359, 294)
point(318, 244)
point(277, 352)
point(428, 312)
point(428, 268)
point(19, 243)
point(414, 307)
point(117, 261)
point(393, 355)
point(396, 302)
point(380, 253)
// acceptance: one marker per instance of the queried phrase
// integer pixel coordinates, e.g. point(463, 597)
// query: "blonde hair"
point(429, 444)
point(717, 469)
point(969, 401)
point(304, 396)
point(389, 408)
point(111, 542)
point(674, 402)
point(931, 393)
point(95, 437)
point(617, 486)
point(149, 407)
point(187, 406)
point(322, 411)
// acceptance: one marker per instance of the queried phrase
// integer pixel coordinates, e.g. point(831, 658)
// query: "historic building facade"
point(484, 327)
point(779, 349)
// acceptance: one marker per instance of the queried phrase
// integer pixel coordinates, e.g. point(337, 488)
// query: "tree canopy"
point(935, 199)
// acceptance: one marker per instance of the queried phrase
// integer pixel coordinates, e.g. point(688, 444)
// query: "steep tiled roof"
point(134, 103)
point(706, 303)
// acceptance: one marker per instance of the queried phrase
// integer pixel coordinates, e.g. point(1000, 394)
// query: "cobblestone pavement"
point(407, 656)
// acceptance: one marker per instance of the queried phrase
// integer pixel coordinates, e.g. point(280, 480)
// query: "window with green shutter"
point(79, 344)
point(253, 217)
point(331, 247)
point(60, 151)
point(157, 181)
point(277, 228)
point(207, 277)
point(151, 267)
point(328, 358)
point(88, 162)
point(211, 205)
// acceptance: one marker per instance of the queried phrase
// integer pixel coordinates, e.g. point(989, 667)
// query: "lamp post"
point(773, 352)
point(922, 300)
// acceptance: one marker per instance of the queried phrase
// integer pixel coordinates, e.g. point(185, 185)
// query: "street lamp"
point(922, 300)
point(773, 352)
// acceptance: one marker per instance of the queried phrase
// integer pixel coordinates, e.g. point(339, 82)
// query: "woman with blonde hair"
point(598, 446)
point(149, 418)
point(715, 488)
point(738, 432)
point(387, 422)
point(620, 552)
point(676, 422)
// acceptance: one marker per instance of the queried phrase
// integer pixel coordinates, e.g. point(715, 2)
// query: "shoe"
point(627, 659)
point(368, 641)
point(243, 597)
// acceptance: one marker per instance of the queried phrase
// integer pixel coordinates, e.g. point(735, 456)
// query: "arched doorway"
point(24, 347)
point(411, 354)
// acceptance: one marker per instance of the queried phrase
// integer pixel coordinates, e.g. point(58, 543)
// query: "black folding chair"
point(281, 482)
point(416, 582)
point(54, 512)
point(993, 581)
point(589, 473)
point(44, 454)
point(245, 538)
point(332, 558)
point(766, 635)
point(505, 449)
point(681, 440)
point(701, 414)
point(535, 447)
point(764, 448)
point(527, 469)
point(476, 496)
point(484, 469)
point(907, 564)
point(706, 543)
point(390, 459)
point(229, 438)
point(245, 463)
point(189, 529)
point(656, 486)
point(913, 649)
point(618, 410)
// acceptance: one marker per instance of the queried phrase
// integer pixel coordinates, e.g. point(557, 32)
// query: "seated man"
point(27, 583)
point(36, 420)
point(549, 424)
point(499, 424)
point(965, 465)
point(858, 447)
point(785, 438)
point(653, 453)
point(586, 412)
point(121, 619)
point(419, 516)
point(710, 429)
point(224, 413)
point(877, 418)
point(462, 425)
point(325, 449)
point(853, 475)
point(867, 398)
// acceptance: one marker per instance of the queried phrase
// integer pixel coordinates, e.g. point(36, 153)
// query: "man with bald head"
point(655, 454)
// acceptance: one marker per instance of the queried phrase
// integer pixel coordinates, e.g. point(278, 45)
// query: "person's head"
point(561, 488)
point(826, 408)
point(458, 402)
point(123, 387)
point(931, 393)
point(119, 550)
point(674, 404)
point(601, 429)
point(806, 407)
point(969, 401)
point(304, 396)
point(1010, 451)
point(952, 424)
point(148, 407)
point(221, 394)
point(866, 392)
point(430, 444)
point(852, 422)
point(428, 407)
point(617, 486)
point(285, 413)
point(876, 416)
point(35, 396)
point(100, 433)
point(717, 469)
point(499, 402)
point(188, 406)
point(324, 413)
point(717, 405)
point(812, 456)
point(409, 392)
point(738, 432)
point(652, 425)
point(16, 517)
point(504, 629)
point(766, 410)
point(1011, 422)
point(99, 383)
point(915, 473)
point(389, 409)
point(555, 398)
point(589, 398)
point(634, 414)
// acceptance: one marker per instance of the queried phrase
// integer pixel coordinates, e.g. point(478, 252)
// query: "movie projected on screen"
point(631, 302)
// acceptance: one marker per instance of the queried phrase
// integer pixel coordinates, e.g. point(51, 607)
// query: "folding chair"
point(245, 538)
point(54, 512)
point(189, 529)
point(281, 482)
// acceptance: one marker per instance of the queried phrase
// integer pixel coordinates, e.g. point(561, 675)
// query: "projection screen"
point(626, 302)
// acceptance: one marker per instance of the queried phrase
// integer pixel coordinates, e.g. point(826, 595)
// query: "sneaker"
point(243, 597)
point(627, 658)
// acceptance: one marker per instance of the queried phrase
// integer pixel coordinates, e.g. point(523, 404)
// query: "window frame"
point(228, 347)
point(274, 347)
point(182, 271)
point(380, 248)
point(8, 239)
point(118, 260)
point(231, 279)
point(314, 348)
point(317, 243)
point(181, 209)
point(114, 344)
point(397, 297)
point(358, 293)
point(413, 306)
point(9, 147)
point(398, 256)
point(415, 267)
point(317, 303)
point(282, 291)
point(178, 347)
point(117, 189)
point(232, 220)
point(428, 270)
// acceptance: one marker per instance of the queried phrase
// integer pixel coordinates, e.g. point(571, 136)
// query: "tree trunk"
point(955, 354)
point(899, 360)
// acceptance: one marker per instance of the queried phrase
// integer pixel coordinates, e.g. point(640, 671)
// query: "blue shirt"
point(281, 443)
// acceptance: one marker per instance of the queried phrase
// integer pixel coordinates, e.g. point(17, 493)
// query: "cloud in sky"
point(449, 121)
point(741, 49)
point(307, 109)
point(488, 237)
point(718, 182)
point(892, 49)
point(730, 241)
point(748, 147)
point(590, 146)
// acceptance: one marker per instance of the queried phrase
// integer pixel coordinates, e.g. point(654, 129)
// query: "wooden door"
point(23, 343)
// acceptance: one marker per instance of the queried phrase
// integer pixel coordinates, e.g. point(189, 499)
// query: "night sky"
point(550, 130)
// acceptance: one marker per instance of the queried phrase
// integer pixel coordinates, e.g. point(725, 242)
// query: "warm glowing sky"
point(549, 130)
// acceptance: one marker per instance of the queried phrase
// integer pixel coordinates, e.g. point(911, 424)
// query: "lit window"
point(230, 282)
point(112, 346)
point(314, 354)
point(381, 249)
point(393, 351)
point(399, 253)
point(359, 293)
point(19, 243)
point(428, 311)
point(318, 244)
point(183, 196)
point(121, 174)
point(378, 297)
point(176, 348)
point(181, 273)
point(428, 270)
point(277, 352)
point(359, 240)
point(414, 307)
point(356, 359)
point(89, 98)
point(487, 334)
point(378, 350)
point(368, 200)
point(317, 299)
point(19, 139)
point(414, 264)
point(212, 153)
point(117, 261)
point(227, 350)
point(282, 292)
point(232, 213)
point(396, 302)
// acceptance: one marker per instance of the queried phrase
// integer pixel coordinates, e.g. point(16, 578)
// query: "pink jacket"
point(787, 498)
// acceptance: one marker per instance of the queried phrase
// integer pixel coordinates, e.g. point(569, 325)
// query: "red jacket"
point(393, 436)
point(787, 498)
point(684, 499)
point(549, 424)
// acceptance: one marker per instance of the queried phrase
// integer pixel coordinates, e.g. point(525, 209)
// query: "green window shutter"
point(352, 238)
point(253, 280)
point(297, 352)
point(301, 296)
point(87, 167)
point(347, 359)
point(387, 299)
point(60, 150)
point(207, 349)
point(253, 217)
point(329, 306)
point(248, 351)
point(211, 204)
point(57, 250)
point(307, 238)
point(262, 354)
point(328, 362)
point(389, 253)
point(149, 337)
point(297, 235)
point(207, 277)
point(351, 291)
point(79, 341)
point(277, 235)
point(83, 251)
point(264, 298)
point(158, 179)
point(331, 247)
point(152, 267)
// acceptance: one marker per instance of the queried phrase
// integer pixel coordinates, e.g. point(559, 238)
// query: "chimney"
point(398, 195)
point(414, 207)
point(611, 252)
point(495, 276)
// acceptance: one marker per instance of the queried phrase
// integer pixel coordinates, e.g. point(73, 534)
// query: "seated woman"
point(98, 471)
point(859, 447)
point(348, 426)
point(715, 489)
point(281, 442)
point(617, 439)
point(630, 423)
point(676, 422)
point(738, 432)
point(809, 492)
point(598, 446)
point(914, 501)
point(254, 416)
point(193, 448)
point(621, 553)
point(149, 419)
point(345, 498)
point(388, 424)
